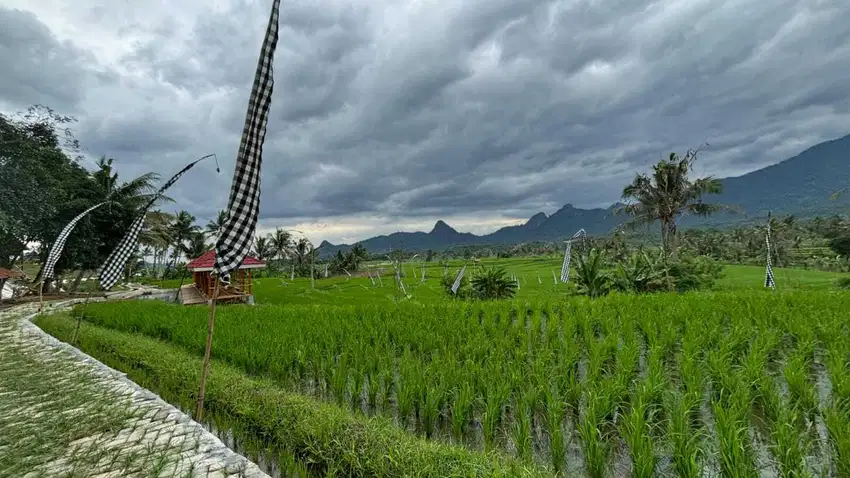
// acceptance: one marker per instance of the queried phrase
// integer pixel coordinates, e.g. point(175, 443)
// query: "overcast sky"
point(389, 114)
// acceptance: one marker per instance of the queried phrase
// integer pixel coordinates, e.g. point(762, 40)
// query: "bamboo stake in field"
point(80, 318)
point(182, 278)
point(199, 409)
point(40, 296)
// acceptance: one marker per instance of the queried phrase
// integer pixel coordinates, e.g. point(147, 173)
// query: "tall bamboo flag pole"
point(113, 267)
point(769, 280)
point(235, 237)
point(48, 272)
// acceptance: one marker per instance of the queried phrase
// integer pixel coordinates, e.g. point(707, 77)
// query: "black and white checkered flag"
point(111, 270)
point(768, 274)
point(456, 283)
point(59, 243)
point(565, 267)
point(234, 241)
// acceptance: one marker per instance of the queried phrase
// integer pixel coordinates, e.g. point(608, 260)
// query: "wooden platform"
point(190, 295)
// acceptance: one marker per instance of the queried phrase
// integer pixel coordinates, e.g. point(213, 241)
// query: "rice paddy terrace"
point(737, 381)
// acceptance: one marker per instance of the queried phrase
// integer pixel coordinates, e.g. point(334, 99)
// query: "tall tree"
point(667, 194)
point(263, 248)
point(356, 255)
point(38, 177)
point(182, 230)
point(214, 227)
point(196, 246)
point(303, 248)
point(281, 242)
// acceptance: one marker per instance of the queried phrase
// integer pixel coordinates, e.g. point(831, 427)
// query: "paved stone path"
point(62, 413)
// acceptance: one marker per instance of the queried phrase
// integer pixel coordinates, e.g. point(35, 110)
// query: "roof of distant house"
point(207, 261)
point(7, 274)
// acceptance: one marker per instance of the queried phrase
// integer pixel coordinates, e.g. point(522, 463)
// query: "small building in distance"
point(203, 284)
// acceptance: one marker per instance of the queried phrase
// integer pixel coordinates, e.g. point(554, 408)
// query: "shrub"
point(642, 273)
point(493, 283)
point(692, 273)
point(462, 292)
point(591, 277)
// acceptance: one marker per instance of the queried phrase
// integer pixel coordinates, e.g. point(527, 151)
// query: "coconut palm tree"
point(263, 247)
point(196, 246)
point(303, 249)
point(281, 242)
point(182, 230)
point(156, 234)
point(132, 194)
point(668, 194)
point(214, 227)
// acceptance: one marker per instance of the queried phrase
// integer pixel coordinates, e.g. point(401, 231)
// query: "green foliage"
point(349, 261)
point(591, 277)
point(840, 244)
point(463, 290)
point(322, 436)
point(667, 194)
point(514, 367)
point(640, 274)
point(493, 283)
point(44, 187)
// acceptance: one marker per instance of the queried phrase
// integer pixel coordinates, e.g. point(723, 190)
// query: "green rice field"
point(534, 275)
point(735, 382)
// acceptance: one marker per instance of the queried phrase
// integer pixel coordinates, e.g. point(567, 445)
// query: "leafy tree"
point(183, 230)
point(196, 245)
point(667, 194)
point(214, 227)
point(43, 187)
point(38, 177)
point(840, 244)
point(156, 234)
point(263, 248)
point(303, 248)
point(493, 283)
point(355, 256)
point(281, 242)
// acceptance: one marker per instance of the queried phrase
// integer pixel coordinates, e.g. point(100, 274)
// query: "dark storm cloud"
point(409, 110)
point(36, 67)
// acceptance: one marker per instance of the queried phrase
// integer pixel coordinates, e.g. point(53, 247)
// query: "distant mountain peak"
point(799, 185)
point(326, 244)
point(536, 220)
point(442, 228)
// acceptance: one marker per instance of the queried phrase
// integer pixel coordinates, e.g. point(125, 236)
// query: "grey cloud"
point(486, 106)
point(37, 67)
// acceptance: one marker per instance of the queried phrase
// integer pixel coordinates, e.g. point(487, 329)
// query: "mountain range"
point(801, 185)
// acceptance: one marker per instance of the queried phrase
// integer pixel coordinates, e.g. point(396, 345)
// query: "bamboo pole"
point(199, 410)
point(80, 318)
point(177, 295)
point(41, 296)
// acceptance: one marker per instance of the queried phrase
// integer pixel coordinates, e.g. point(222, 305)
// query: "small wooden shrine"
point(203, 285)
